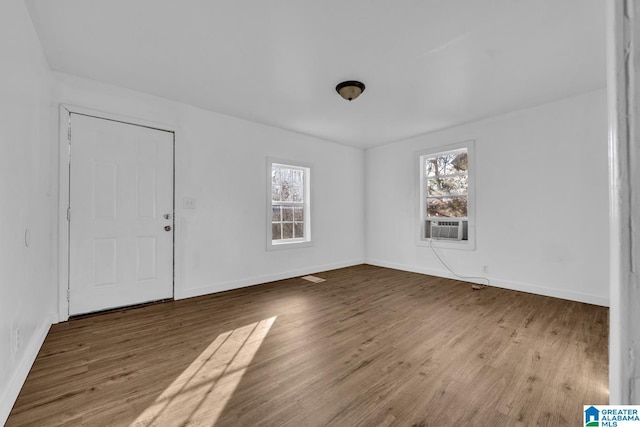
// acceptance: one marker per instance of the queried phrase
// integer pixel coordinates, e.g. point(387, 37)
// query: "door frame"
point(64, 165)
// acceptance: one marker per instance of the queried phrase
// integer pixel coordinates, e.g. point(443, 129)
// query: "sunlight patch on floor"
point(199, 395)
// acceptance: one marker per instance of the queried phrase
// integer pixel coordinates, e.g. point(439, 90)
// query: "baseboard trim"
point(257, 280)
point(501, 283)
point(19, 376)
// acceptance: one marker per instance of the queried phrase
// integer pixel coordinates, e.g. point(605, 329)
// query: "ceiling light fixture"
point(350, 90)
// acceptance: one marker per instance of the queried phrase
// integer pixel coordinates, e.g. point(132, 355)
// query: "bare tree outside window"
point(447, 181)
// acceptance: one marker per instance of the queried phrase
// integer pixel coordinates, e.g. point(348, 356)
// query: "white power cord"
point(475, 286)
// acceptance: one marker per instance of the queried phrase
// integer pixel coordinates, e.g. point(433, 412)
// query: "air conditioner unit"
point(446, 230)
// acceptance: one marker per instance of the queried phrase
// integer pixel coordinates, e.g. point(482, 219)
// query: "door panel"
point(121, 186)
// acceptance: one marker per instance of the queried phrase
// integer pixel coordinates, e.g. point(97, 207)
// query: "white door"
point(121, 214)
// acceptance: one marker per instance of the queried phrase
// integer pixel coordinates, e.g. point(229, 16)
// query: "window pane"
point(287, 184)
point(275, 192)
point(299, 229)
point(287, 214)
point(452, 207)
point(460, 162)
point(296, 194)
point(298, 214)
point(297, 177)
point(276, 214)
point(287, 230)
point(285, 175)
point(276, 231)
point(447, 164)
point(455, 185)
point(285, 192)
point(432, 167)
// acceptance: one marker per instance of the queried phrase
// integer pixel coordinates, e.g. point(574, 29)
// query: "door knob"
point(167, 228)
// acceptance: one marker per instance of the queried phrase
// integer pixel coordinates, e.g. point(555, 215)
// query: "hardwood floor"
point(369, 346)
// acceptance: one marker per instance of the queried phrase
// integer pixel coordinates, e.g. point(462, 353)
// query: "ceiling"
point(427, 64)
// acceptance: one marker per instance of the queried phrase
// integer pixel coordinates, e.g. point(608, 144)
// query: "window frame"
point(306, 203)
point(421, 197)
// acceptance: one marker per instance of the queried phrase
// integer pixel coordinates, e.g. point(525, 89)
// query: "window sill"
point(464, 245)
point(272, 246)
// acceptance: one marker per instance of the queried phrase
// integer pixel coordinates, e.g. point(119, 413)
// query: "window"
point(447, 179)
point(446, 196)
point(289, 205)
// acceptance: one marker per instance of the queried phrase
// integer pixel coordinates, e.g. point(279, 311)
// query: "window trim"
point(470, 243)
point(289, 243)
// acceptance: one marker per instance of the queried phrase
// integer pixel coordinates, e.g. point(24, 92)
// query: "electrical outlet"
point(17, 340)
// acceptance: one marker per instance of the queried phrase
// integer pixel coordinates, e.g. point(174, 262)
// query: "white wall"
point(221, 162)
point(541, 201)
point(27, 299)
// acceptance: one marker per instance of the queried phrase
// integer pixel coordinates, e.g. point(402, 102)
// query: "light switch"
point(188, 203)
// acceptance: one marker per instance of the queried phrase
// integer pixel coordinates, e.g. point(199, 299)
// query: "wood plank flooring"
point(367, 347)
